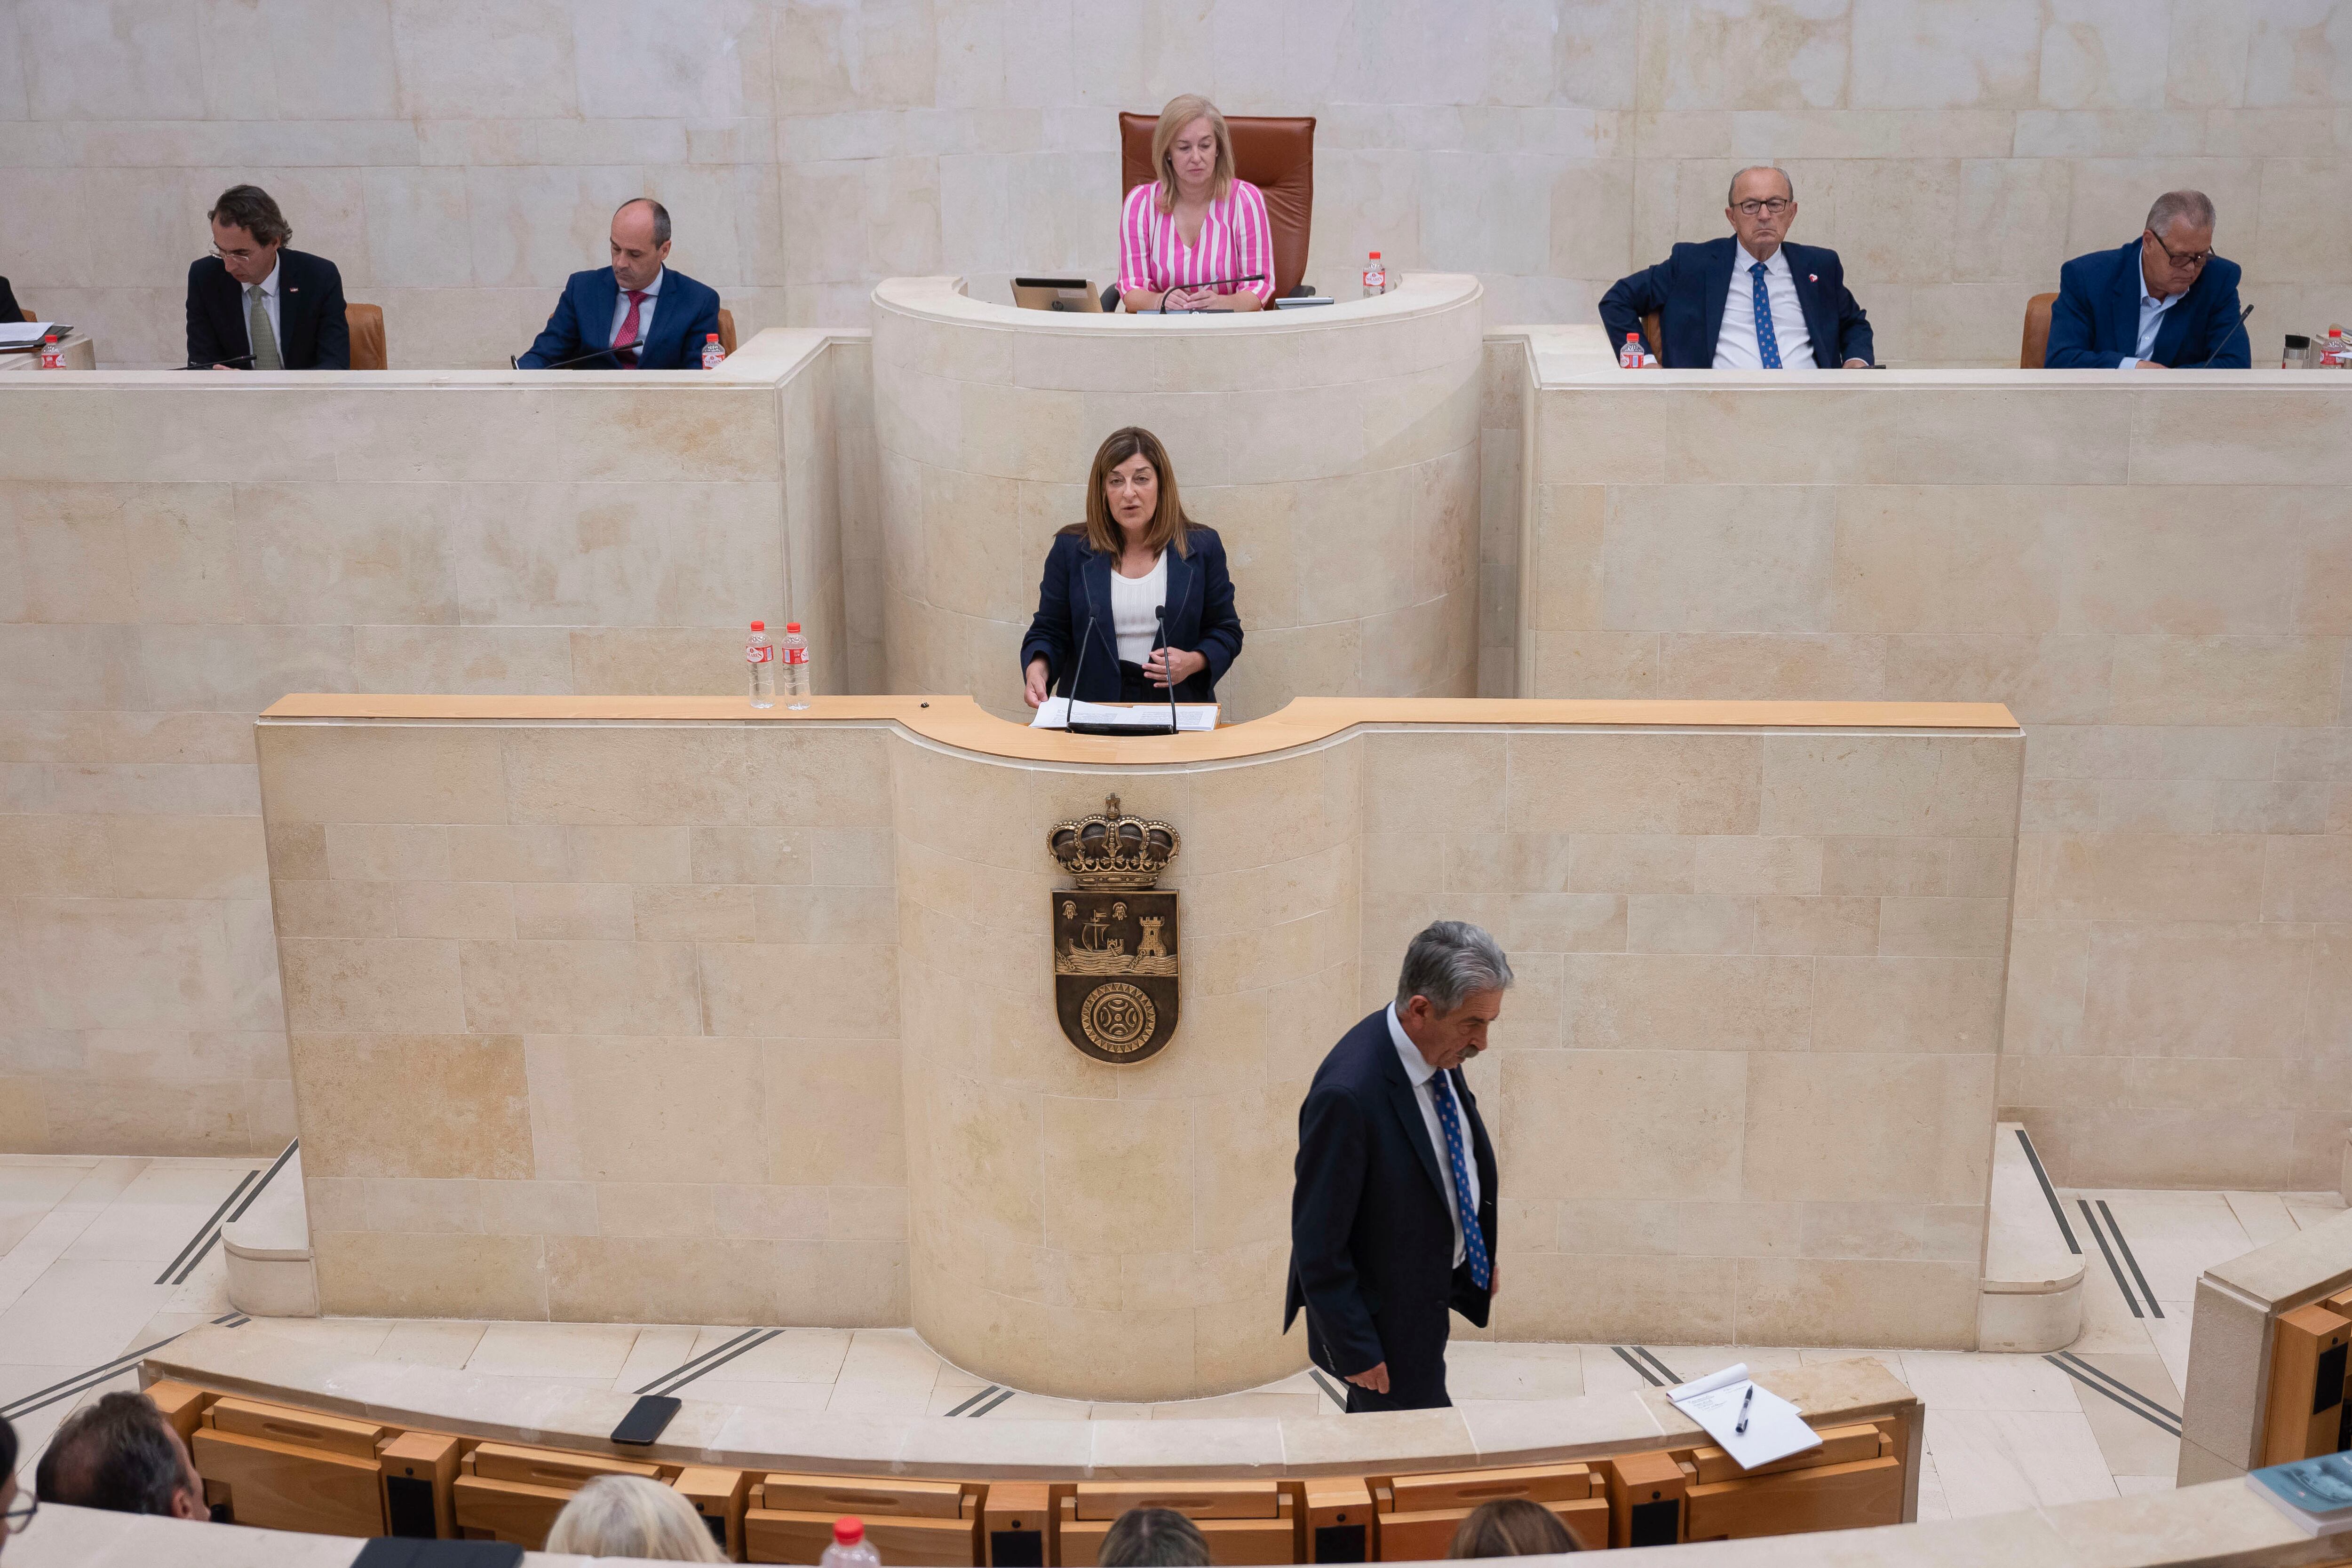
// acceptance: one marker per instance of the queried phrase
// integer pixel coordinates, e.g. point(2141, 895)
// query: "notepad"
point(1058, 711)
point(1775, 1429)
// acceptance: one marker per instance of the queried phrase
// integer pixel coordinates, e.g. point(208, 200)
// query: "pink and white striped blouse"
point(1236, 239)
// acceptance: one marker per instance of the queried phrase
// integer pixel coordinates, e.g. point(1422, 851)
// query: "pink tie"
point(627, 336)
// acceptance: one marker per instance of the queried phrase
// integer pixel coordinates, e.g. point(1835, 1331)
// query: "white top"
point(652, 292)
point(270, 304)
point(1417, 1068)
point(1734, 342)
point(2152, 318)
point(1132, 602)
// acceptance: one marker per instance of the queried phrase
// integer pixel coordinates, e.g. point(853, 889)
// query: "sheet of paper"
point(1056, 714)
point(1775, 1430)
point(17, 332)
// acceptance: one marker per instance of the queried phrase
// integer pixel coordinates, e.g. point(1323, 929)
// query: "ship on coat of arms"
point(1114, 936)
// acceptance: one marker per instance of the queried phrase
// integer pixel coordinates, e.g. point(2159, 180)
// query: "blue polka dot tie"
point(1474, 1239)
point(1768, 348)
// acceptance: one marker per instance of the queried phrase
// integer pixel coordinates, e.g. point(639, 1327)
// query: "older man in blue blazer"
point(635, 315)
point(2165, 300)
point(1393, 1208)
point(1749, 302)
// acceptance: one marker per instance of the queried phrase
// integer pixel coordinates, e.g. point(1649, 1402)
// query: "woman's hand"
point(1032, 691)
point(1190, 298)
point(1183, 661)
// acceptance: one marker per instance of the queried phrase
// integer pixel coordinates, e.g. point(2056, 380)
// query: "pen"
point(1741, 1430)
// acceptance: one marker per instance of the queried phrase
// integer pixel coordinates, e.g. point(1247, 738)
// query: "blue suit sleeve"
point(1221, 625)
point(1632, 297)
point(1333, 1154)
point(334, 347)
point(2222, 324)
point(559, 339)
point(703, 328)
point(1854, 339)
point(1049, 628)
point(2070, 328)
point(203, 343)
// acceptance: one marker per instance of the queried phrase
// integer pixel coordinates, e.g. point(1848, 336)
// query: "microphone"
point(1160, 614)
point(233, 358)
point(1212, 283)
point(611, 354)
point(1075, 727)
point(2225, 343)
point(1071, 690)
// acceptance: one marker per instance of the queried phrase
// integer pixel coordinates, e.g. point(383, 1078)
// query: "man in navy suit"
point(635, 315)
point(1781, 306)
point(253, 304)
point(2161, 301)
point(1392, 1209)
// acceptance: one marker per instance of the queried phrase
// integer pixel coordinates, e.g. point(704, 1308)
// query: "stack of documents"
point(1726, 1401)
point(1058, 713)
point(22, 334)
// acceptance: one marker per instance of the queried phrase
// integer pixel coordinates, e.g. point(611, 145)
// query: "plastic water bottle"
point(53, 355)
point(2333, 358)
point(761, 655)
point(796, 676)
point(1376, 276)
point(712, 352)
point(850, 1549)
point(1629, 358)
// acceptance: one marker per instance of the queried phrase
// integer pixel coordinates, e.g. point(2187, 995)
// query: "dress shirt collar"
point(2147, 300)
point(1416, 1066)
point(1776, 265)
point(268, 283)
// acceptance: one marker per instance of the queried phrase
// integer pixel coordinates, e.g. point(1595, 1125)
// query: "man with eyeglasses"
point(255, 305)
point(1750, 301)
point(2163, 301)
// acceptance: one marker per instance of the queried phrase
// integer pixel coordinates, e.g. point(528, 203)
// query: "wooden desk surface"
point(962, 723)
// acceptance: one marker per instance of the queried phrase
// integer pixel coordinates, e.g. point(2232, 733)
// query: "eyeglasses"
point(22, 1515)
point(1775, 205)
point(234, 255)
point(2192, 262)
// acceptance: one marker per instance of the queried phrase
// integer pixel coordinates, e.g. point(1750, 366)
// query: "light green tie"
point(257, 326)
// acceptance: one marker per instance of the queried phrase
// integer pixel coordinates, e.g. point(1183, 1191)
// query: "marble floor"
point(106, 1256)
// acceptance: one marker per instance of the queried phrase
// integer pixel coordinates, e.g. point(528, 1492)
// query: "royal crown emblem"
point(1114, 939)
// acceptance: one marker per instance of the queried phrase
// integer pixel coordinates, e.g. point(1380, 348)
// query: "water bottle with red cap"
point(850, 1549)
point(795, 649)
point(761, 655)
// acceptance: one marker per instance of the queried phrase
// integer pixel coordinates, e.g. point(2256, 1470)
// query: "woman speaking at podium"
point(1189, 233)
point(1138, 591)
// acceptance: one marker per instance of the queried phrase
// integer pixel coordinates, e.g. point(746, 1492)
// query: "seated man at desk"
point(635, 315)
point(255, 305)
point(1186, 235)
point(1781, 307)
point(2161, 301)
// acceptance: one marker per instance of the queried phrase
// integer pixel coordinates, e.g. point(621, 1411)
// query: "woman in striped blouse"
point(1196, 224)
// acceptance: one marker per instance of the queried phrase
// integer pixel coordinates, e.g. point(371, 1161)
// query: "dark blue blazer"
point(314, 333)
point(2095, 322)
point(685, 313)
point(1371, 1244)
point(1075, 589)
point(1687, 290)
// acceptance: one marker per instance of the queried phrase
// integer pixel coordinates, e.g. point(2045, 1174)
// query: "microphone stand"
point(192, 365)
point(1075, 727)
point(1160, 612)
point(2207, 362)
point(1212, 283)
point(611, 354)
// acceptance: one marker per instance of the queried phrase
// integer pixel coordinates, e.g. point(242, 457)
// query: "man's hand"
point(1857, 365)
point(2150, 365)
point(1494, 1276)
point(1375, 1378)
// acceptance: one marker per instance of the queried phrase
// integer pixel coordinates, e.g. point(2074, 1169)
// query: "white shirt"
point(1734, 343)
point(1132, 602)
point(2152, 318)
point(1417, 1068)
point(644, 312)
point(270, 304)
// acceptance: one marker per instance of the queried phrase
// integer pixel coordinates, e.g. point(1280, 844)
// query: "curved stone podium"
point(1335, 450)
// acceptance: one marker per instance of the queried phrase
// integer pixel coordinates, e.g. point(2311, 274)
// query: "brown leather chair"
point(30, 316)
point(1277, 156)
point(726, 331)
point(2033, 347)
point(1655, 336)
point(366, 325)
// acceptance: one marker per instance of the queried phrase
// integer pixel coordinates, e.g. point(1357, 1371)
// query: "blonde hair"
point(1181, 111)
point(629, 1516)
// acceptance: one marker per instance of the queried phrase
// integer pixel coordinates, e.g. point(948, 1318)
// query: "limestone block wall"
point(175, 554)
point(1336, 452)
point(2156, 576)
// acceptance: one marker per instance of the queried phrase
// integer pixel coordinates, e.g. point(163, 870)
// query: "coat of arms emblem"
point(1115, 938)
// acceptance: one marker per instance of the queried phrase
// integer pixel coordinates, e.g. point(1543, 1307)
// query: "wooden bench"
point(283, 1468)
point(1419, 1514)
point(917, 1525)
point(508, 1492)
point(1242, 1521)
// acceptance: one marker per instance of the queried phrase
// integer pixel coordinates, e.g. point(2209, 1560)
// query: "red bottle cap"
point(710, 337)
point(758, 626)
point(1376, 256)
point(848, 1531)
point(791, 625)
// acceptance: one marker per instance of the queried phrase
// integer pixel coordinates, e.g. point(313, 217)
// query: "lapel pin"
point(1812, 278)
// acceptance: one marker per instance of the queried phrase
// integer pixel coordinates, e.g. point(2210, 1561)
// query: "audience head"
point(2177, 241)
point(640, 242)
point(247, 230)
point(1192, 152)
point(1450, 990)
point(629, 1516)
point(1132, 495)
point(16, 1505)
point(1761, 207)
point(121, 1456)
point(1511, 1526)
point(1153, 1538)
